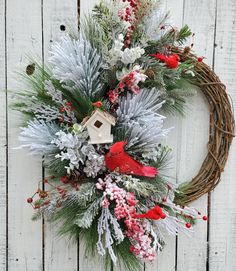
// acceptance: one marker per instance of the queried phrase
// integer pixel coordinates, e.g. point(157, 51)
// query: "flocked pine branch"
point(84, 220)
point(109, 229)
point(157, 23)
point(92, 31)
point(139, 122)
point(141, 108)
point(141, 138)
point(38, 135)
point(78, 66)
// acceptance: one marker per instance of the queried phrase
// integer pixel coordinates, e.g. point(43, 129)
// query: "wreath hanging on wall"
point(96, 115)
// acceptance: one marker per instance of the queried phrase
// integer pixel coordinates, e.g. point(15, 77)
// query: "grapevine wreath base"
point(96, 116)
point(221, 133)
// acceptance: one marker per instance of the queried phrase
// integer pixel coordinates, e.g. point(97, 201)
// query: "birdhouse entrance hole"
point(98, 124)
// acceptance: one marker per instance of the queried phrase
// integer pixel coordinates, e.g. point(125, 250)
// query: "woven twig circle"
point(221, 134)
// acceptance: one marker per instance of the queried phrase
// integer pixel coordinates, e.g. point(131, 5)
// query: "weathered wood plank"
point(58, 19)
point(169, 251)
point(25, 238)
point(223, 208)
point(192, 254)
point(3, 144)
point(87, 6)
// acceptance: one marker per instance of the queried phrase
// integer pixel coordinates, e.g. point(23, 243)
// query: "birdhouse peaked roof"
point(105, 115)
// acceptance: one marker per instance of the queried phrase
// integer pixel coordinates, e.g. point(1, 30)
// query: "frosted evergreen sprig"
point(57, 97)
point(106, 224)
point(78, 66)
point(84, 220)
point(38, 136)
point(142, 108)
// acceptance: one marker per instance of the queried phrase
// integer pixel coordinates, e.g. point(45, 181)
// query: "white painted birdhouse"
point(99, 127)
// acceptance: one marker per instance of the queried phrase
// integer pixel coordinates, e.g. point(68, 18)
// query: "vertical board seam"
point(209, 194)
point(176, 238)
point(176, 253)
point(6, 113)
point(208, 230)
point(214, 40)
point(78, 242)
point(43, 173)
point(183, 16)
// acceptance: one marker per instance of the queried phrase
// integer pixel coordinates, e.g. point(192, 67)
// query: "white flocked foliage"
point(77, 64)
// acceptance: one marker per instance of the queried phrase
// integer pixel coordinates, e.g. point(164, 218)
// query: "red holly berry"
point(64, 179)
point(30, 200)
point(63, 109)
point(46, 202)
point(200, 59)
point(69, 103)
point(97, 104)
point(205, 218)
point(199, 213)
point(131, 249)
point(188, 225)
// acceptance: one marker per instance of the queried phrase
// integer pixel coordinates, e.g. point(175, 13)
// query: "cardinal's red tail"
point(149, 172)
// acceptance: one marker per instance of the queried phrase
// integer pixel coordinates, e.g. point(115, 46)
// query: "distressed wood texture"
point(200, 16)
point(223, 209)
point(23, 37)
point(3, 143)
point(58, 19)
point(28, 28)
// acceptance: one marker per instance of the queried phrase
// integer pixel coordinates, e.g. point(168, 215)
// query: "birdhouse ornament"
point(99, 127)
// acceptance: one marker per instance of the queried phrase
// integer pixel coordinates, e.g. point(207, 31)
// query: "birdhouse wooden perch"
point(99, 127)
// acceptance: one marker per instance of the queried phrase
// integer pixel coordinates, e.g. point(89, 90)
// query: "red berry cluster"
point(44, 196)
point(189, 225)
point(128, 15)
point(130, 81)
point(68, 107)
point(134, 14)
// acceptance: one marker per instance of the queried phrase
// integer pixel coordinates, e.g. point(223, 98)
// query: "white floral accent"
point(140, 76)
point(130, 55)
point(126, 56)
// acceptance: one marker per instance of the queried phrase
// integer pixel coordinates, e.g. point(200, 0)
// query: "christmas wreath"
point(96, 116)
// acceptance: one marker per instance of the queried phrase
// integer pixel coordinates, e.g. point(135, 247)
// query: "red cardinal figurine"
point(118, 160)
point(155, 213)
point(171, 61)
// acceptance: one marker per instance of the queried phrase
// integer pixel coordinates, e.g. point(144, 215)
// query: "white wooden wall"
point(28, 28)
